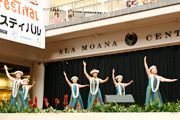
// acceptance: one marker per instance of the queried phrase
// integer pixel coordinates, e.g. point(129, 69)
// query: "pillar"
point(124, 3)
point(45, 4)
point(38, 70)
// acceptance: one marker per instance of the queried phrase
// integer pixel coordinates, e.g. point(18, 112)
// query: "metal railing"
point(80, 9)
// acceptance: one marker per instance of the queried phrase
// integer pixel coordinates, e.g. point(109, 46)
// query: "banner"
point(22, 22)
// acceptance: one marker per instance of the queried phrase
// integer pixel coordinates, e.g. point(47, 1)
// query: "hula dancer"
point(25, 88)
point(120, 87)
point(94, 86)
point(15, 98)
point(153, 93)
point(76, 100)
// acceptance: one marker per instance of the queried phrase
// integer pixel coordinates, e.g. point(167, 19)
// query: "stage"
point(91, 116)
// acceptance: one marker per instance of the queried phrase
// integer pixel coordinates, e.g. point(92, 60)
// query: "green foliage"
point(167, 107)
point(112, 107)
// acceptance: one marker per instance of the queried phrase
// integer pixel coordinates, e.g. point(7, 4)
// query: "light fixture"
point(95, 35)
point(178, 20)
point(8, 68)
point(13, 73)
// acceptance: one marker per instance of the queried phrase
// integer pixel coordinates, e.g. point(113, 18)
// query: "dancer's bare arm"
point(8, 75)
point(113, 77)
point(82, 86)
point(146, 67)
point(85, 72)
point(30, 86)
point(67, 80)
point(162, 79)
point(127, 84)
point(103, 81)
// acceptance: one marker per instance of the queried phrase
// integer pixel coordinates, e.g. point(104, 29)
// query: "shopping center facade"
point(152, 26)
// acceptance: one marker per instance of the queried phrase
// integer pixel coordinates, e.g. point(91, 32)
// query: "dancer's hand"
point(174, 80)
point(113, 71)
point(34, 82)
point(5, 67)
point(131, 81)
point(84, 63)
point(87, 85)
point(103, 81)
point(64, 73)
point(82, 86)
point(145, 59)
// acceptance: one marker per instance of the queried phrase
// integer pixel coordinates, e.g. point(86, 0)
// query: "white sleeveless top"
point(152, 83)
point(15, 89)
point(77, 90)
point(25, 91)
point(119, 86)
point(92, 86)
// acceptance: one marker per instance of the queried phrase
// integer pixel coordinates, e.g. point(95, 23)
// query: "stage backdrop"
point(130, 65)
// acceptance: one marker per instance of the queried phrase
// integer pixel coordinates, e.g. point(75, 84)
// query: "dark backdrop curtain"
point(130, 65)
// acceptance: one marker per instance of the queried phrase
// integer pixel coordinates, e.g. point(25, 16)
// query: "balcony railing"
point(83, 8)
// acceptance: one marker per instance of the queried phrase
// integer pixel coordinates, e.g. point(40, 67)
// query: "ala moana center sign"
point(164, 35)
point(147, 37)
point(130, 40)
point(89, 47)
point(22, 22)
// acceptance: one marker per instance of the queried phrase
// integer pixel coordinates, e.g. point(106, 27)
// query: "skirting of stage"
point(91, 116)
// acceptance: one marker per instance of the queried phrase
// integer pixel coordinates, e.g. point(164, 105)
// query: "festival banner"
point(22, 22)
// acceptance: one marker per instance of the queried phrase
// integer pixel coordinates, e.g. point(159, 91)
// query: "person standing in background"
point(124, 4)
point(128, 4)
point(56, 17)
point(140, 2)
point(146, 1)
point(153, 1)
point(70, 15)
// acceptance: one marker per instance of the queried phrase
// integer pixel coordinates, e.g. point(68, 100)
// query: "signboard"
point(146, 37)
point(22, 22)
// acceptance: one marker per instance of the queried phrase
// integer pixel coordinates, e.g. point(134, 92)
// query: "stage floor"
point(91, 116)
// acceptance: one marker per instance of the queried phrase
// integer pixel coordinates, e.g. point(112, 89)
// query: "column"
point(45, 4)
point(38, 77)
point(124, 4)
